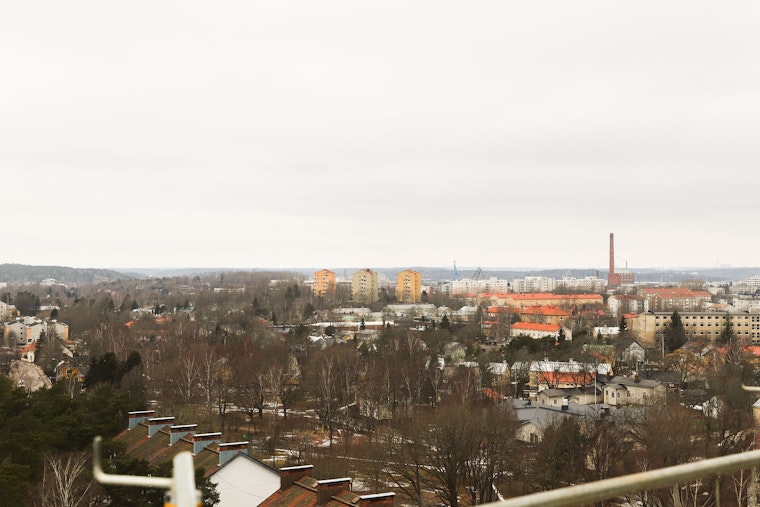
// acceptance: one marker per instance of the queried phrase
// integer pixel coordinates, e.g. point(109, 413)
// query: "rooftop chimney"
point(289, 475)
point(379, 500)
point(203, 440)
point(227, 451)
point(156, 424)
point(135, 418)
point(177, 432)
point(329, 487)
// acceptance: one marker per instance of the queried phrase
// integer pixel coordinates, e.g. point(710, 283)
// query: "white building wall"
point(244, 483)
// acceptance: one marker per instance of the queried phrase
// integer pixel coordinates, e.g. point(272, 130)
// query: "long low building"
point(650, 326)
point(541, 299)
point(538, 331)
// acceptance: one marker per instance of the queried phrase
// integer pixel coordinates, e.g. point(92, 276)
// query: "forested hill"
point(22, 273)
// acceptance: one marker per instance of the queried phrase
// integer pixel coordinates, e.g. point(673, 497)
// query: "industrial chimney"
point(613, 280)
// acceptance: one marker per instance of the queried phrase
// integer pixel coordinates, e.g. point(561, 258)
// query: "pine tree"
point(675, 333)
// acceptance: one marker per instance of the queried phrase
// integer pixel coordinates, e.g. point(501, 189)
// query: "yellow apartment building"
point(650, 326)
point(409, 286)
point(364, 287)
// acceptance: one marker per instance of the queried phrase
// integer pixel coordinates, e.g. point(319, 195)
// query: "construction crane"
point(456, 271)
point(477, 275)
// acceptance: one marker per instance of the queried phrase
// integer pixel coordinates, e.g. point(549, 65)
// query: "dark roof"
point(624, 382)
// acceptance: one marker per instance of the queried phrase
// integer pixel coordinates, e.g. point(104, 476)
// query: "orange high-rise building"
point(324, 283)
point(409, 286)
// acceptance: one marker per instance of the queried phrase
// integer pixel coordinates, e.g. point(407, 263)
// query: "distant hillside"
point(22, 273)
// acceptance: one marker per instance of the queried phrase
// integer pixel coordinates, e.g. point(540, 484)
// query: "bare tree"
point(283, 383)
point(406, 458)
point(493, 442)
point(65, 482)
point(186, 378)
point(450, 445)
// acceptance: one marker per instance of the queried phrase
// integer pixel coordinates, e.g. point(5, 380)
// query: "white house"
point(623, 391)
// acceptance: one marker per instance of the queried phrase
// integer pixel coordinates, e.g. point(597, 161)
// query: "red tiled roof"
point(530, 326)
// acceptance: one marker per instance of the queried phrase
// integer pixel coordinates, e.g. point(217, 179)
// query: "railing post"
point(181, 486)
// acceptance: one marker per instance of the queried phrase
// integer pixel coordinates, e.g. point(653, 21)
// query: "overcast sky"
point(379, 134)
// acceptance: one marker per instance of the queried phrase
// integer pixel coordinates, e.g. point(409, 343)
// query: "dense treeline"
point(36, 427)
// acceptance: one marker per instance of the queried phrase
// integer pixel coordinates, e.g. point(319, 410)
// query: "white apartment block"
point(586, 284)
point(465, 286)
point(534, 284)
point(494, 284)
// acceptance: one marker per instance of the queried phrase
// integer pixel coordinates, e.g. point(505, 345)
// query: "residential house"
point(558, 374)
point(240, 479)
point(587, 395)
point(625, 391)
point(533, 419)
point(632, 353)
point(538, 331)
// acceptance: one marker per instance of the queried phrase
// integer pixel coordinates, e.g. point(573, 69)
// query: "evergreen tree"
point(727, 334)
point(675, 333)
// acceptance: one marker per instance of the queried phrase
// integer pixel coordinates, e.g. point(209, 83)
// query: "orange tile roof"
point(499, 309)
point(530, 326)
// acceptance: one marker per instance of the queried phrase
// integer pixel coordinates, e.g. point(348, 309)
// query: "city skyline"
point(293, 134)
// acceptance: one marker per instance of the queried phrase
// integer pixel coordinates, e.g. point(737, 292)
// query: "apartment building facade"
point(674, 298)
point(324, 283)
point(364, 287)
point(650, 326)
point(409, 286)
point(542, 299)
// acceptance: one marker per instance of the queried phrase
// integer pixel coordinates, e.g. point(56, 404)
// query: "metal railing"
point(609, 489)
point(181, 491)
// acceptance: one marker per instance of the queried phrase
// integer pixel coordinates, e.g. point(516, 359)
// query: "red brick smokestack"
point(612, 252)
point(612, 279)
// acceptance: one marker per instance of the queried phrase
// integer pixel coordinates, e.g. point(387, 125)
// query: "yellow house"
point(409, 286)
